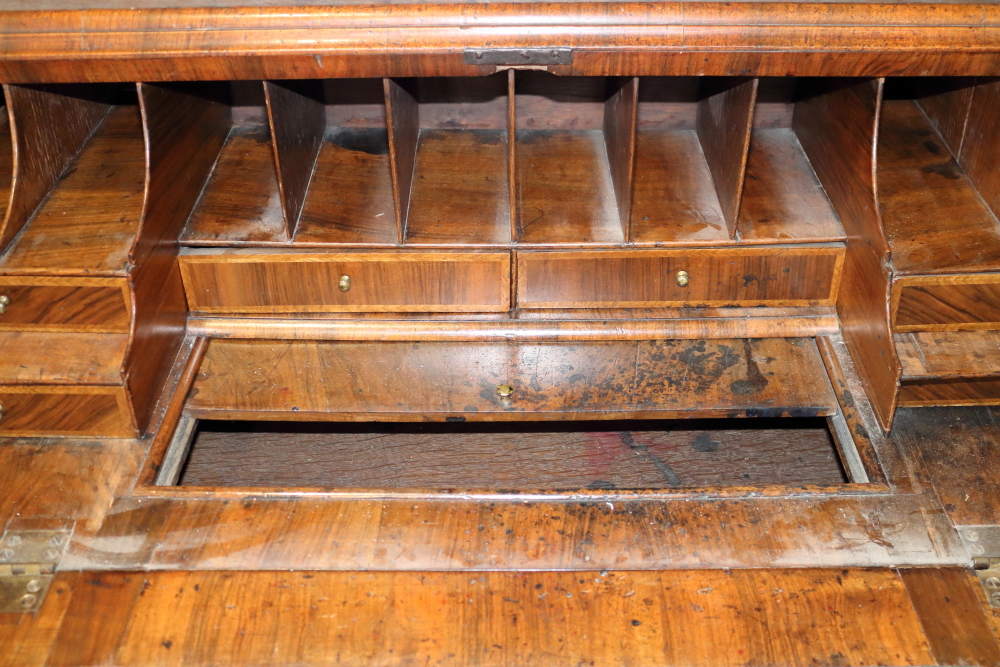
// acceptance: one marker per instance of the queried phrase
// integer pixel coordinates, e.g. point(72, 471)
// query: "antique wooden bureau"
point(239, 211)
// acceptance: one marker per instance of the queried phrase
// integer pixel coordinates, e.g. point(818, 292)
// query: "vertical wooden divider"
point(837, 125)
point(723, 123)
point(402, 116)
point(620, 112)
point(512, 152)
point(978, 151)
point(948, 110)
point(49, 126)
point(185, 129)
point(298, 122)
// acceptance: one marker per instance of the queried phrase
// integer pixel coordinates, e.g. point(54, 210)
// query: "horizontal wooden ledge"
point(513, 330)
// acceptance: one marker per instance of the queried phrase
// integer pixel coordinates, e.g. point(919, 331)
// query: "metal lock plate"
point(550, 56)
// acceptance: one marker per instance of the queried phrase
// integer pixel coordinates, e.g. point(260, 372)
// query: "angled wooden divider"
point(403, 121)
point(297, 120)
point(836, 121)
point(620, 112)
point(725, 117)
point(512, 155)
point(49, 125)
point(6, 159)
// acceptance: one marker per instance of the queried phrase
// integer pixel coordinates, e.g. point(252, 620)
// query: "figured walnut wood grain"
point(613, 618)
point(304, 379)
point(39, 303)
point(942, 303)
point(62, 358)
point(49, 125)
point(723, 122)
point(415, 282)
point(403, 120)
point(949, 391)
point(620, 111)
point(33, 410)
point(648, 278)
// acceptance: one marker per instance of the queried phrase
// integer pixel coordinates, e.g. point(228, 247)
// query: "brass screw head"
point(505, 391)
point(344, 283)
point(683, 279)
point(33, 586)
point(29, 601)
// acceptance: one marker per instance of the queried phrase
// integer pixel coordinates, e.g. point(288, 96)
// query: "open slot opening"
point(783, 200)
point(601, 456)
point(80, 178)
point(460, 192)
point(938, 178)
point(574, 157)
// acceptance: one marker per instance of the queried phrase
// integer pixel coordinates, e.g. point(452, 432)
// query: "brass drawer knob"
point(505, 391)
point(344, 284)
point(683, 279)
point(4, 302)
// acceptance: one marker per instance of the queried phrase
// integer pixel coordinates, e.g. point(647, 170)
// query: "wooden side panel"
point(282, 283)
point(982, 141)
point(298, 122)
point(952, 616)
point(766, 377)
point(185, 131)
point(67, 411)
point(512, 150)
point(724, 120)
point(49, 125)
point(402, 115)
point(620, 111)
point(7, 160)
point(837, 123)
point(947, 303)
point(65, 304)
point(947, 107)
point(649, 278)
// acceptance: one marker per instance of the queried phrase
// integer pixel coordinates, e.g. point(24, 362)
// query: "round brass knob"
point(344, 284)
point(4, 302)
point(682, 279)
point(505, 391)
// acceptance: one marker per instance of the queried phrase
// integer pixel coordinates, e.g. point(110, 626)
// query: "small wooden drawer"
point(34, 303)
point(35, 410)
point(946, 303)
point(789, 276)
point(347, 282)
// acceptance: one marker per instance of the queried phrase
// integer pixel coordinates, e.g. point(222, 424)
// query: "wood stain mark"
point(755, 381)
point(668, 473)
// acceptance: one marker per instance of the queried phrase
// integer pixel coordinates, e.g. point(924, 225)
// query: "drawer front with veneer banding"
point(61, 304)
point(65, 411)
point(347, 282)
point(947, 303)
point(791, 276)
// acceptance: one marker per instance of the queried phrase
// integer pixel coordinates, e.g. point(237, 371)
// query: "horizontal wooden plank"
point(943, 303)
point(304, 282)
point(950, 391)
point(313, 530)
point(307, 380)
point(61, 358)
point(649, 278)
point(610, 618)
point(36, 410)
point(64, 304)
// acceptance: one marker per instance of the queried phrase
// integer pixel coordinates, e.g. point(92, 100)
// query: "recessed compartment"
point(596, 456)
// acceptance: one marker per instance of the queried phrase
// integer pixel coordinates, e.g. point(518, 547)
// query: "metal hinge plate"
point(516, 57)
point(28, 559)
point(988, 571)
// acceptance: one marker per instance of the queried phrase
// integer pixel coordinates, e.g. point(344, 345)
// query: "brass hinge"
point(28, 560)
point(983, 544)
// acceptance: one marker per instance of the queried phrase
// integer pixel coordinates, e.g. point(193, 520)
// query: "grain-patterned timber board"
point(297, 121)
point(403, 120)
point(304, 282)
point(946, 303)
point(620, 111)
point(837, 126)
point(305, 379)
point(309, 529)
point(614, 618)
point(66, 410)
point(950, 391)
point(32, 357)
point(44, 303)
point(723, 123)
point(649, 278)
point(949, 354)
point(49, 125)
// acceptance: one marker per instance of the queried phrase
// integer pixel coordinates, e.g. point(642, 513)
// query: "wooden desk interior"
point(505, 333)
